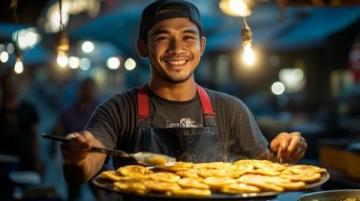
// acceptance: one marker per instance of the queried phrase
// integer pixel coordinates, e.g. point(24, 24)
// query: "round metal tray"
point(107, 185)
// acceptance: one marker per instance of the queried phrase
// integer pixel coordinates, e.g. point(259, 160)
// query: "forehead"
point(174, 24)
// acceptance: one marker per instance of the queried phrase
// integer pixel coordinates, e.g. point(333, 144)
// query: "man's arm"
point(79, 164)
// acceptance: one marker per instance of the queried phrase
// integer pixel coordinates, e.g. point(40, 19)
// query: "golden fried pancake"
point(110, 175)
point(157, 160)
point(218, 182)
point(178, 166)
point(164, 176)
point(285, 183)
point(244, 167)
point(160, 186)
point(134, 171)
point(269, 166)
point(132, 187)
point(261, 164)
point(191, 192)
point(301, 168)
point(265, 171)
point(192, 183)
point(251, 162)
point(213, 165)
point(191, 173)
point(306, 176)
point(208, 172)
point(257, 180)
point(239, 188)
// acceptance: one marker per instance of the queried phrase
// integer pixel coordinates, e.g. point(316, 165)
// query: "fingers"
point(289, 147)
point(275, 143)
point(279, 154)
point(299, 151)
point(294, 139)
point(279, 145)
point(76, 149)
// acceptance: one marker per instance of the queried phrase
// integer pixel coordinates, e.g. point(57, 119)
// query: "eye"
point(189, 37)
point(160, 38)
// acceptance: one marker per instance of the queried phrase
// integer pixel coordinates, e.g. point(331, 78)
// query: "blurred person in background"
point(171, 114)
point(18, 125)
point(74, 119)
point(18, 134)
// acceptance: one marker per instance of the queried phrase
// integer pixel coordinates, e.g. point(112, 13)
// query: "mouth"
point(177, 62)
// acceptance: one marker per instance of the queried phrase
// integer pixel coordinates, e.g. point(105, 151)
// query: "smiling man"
point(171, 114)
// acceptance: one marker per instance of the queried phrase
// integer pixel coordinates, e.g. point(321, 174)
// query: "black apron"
point(185, 144)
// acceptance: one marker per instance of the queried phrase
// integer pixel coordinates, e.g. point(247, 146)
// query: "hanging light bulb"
point(62, 50)
point(248, 55)
point(237, 8)
point(19, 66)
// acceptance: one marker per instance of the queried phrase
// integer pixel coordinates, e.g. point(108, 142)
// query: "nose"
point(176, 46)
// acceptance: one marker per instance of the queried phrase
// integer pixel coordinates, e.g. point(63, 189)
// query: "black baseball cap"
point(167, 9)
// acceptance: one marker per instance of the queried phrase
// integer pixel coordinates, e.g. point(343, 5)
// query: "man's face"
point(174, 49)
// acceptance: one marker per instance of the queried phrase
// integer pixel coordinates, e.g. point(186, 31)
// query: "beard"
point(172, 78)
point(177, 80)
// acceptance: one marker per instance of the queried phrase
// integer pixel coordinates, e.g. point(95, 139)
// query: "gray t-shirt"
point(114, 122)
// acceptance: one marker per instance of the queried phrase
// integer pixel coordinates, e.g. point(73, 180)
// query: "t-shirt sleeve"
point(248, 134)
point(102, 123)
point(114, 121)
point(241, 134)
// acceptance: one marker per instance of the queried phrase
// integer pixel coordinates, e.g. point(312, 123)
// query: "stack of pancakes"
point(204, 179)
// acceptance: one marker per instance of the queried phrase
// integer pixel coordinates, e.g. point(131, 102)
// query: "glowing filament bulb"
point(62, 59)
point(248, 55)
point(236, 7)
point(19, 66)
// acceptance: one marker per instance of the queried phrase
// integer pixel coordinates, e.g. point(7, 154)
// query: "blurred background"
point(296, 64)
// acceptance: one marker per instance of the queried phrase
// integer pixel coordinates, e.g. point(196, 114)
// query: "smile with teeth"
point(176, 62)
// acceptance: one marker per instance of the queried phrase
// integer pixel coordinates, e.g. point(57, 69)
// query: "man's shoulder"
point(223, 100)
point(221, 96)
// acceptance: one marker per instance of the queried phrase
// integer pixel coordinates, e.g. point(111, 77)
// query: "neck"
point(174, 91)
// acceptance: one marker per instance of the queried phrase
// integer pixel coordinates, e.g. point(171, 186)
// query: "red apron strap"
point(143, 103)
point(205, 101)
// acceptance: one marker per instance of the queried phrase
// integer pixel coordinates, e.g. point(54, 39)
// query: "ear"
point(202, 44)
point(142, 48)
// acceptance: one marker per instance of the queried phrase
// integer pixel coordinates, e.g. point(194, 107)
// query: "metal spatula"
point(143, 158)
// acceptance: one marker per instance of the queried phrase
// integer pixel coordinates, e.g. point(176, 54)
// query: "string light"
point(130, 64)
point(19, 66)
point(248, 55)
point(62, 49)
point(4, 56)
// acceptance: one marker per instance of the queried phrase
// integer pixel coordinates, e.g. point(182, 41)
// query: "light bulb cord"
point(61, 17)
point(14, 5)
